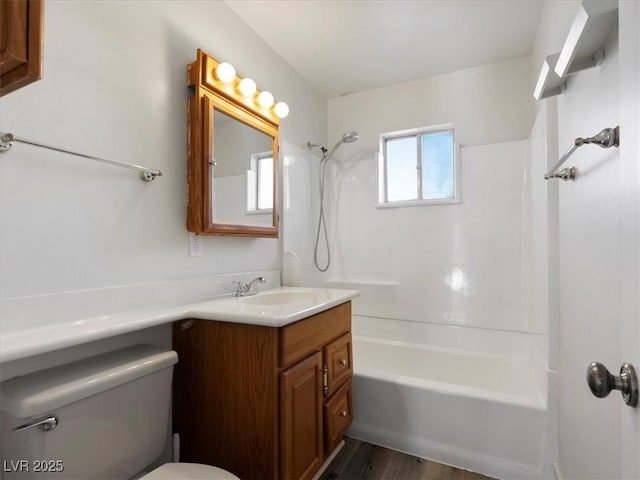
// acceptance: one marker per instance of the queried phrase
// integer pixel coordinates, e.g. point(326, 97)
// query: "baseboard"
point(328, 461)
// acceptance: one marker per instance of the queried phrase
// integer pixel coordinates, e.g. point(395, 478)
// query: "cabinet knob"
point(343, 413)
point(343, 361)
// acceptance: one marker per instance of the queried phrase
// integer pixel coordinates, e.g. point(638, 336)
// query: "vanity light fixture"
point(225, 72)
point(247, 87)
point(265, 99)
point(281, 109)
point(223, 77)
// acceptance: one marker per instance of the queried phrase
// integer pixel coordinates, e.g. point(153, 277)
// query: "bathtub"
point(472, 398)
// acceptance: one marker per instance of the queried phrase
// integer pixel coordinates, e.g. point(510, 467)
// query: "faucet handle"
point(241, 288)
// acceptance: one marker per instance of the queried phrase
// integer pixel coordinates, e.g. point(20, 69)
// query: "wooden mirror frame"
point(210, 94)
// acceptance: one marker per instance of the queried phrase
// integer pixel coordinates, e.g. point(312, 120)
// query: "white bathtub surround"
point(468, 397)
point(459, 264)
point(516, 345)
point(447, 283)
point(541, 227)
point(300, 208)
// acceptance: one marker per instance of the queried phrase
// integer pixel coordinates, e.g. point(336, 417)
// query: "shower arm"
point(322, 148)
point(609, 137)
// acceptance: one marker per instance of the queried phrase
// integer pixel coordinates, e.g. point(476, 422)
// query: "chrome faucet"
point(250, 288)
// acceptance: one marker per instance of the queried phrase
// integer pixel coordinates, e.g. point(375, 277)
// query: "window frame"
point(382, 169)
point(254, 184)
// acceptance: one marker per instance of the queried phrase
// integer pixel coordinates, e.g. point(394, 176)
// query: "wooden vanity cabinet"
point(263, 402)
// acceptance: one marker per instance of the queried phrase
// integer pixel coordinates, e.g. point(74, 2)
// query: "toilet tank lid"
point(40, 392)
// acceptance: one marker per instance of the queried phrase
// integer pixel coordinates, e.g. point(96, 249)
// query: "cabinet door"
point(20, 43)
point(301, 418)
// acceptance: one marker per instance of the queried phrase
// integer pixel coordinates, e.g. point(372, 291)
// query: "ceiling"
point(344, 46)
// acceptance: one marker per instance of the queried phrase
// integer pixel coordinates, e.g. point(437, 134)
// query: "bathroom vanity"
point(263, 402)
point(262, 386)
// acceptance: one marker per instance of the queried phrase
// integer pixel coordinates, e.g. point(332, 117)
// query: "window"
point(418, 167)
point(260, 183)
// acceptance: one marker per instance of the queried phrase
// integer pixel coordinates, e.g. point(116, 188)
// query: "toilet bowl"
point(103, 417)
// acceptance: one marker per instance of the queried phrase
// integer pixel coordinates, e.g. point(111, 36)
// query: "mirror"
point(242, 173)
point(232, 158)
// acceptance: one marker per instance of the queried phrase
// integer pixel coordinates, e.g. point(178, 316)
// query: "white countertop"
point(254, 310)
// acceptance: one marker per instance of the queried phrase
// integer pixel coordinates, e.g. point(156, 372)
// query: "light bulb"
point(225, 72)
point(281, 109)
point(265, 99)
point(247, 87)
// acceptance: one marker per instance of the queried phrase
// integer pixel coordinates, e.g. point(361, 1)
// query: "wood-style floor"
point(360, 460)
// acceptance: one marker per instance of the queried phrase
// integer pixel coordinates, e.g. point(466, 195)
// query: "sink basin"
point(274, 307)
point(280, 298)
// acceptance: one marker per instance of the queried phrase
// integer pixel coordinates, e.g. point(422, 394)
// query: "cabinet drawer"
point(300, 339)
point(339, 361)
point(338, 415)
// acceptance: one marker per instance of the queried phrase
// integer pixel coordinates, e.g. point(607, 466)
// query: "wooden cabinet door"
point(338, 356)
point(301, 419)
point(21, 36)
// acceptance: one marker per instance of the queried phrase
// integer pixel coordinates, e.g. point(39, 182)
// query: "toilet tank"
point(113, 413)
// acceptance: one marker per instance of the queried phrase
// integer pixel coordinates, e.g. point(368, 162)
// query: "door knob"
point(601, 382)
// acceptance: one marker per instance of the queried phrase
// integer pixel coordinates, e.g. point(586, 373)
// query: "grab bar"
point(609, 137)
point(147, 174)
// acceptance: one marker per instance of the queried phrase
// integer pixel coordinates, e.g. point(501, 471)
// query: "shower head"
point(348, 137)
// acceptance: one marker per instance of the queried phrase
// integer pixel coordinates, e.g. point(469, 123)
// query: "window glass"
point(265, 183)
point(418, 166)
point(401, 156)
point(437, 165)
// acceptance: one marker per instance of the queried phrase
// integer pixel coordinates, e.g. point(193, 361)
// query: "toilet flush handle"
point(45, 423)
point(601, 382)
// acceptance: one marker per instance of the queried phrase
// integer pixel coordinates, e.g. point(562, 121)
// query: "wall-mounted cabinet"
point(231, 157)
point(263, 402)
point(21, 38)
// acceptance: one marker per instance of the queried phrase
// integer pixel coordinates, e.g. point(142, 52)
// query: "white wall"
point(488, 104)
point(598, 250)
point(586, 253)
point(115, 86)
point(80, 239)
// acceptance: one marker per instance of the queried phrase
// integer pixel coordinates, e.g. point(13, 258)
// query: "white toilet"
point(104, 417)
